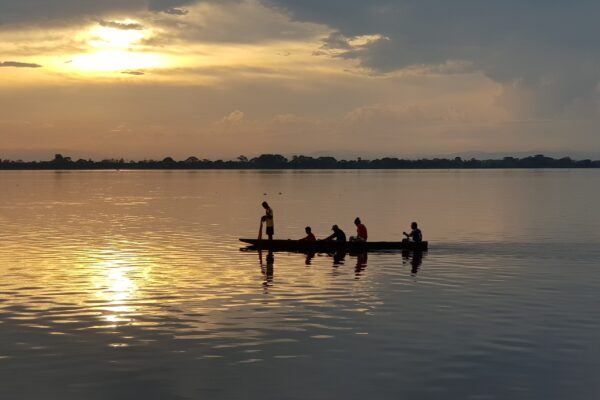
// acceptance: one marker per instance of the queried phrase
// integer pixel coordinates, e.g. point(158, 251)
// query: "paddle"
point(260, 230)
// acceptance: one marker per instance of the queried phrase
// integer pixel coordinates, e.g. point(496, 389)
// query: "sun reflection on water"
point(116, 285)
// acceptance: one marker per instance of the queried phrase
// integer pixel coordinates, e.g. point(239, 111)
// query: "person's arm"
point(330, 237)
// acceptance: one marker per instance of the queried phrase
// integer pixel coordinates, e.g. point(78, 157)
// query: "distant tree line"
point(276, 161)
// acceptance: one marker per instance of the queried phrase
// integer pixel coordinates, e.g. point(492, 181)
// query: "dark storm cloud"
point(17, 12)
point(336, 41)
point(176, 11)
point(126, 26)
point(33, 12)
point(432, 31)
point(546, 47)
point(231, 22)
point(169, 5)
point(16, 64)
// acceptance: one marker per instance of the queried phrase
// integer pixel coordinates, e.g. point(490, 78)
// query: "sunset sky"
point(216, 79)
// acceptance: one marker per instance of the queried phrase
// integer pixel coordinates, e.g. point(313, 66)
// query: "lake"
point(132, 284)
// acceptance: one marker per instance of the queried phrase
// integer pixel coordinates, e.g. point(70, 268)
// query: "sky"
point(142, 79)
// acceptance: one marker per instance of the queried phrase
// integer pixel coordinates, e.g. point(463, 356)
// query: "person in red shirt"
point(309, 235)
point(361, 232)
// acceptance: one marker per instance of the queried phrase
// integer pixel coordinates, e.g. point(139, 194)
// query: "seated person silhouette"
point(415, 234)
point(338, 235)
point(361, 232)
point(310, 237)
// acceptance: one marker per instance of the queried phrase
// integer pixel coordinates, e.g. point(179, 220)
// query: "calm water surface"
point(132, 285)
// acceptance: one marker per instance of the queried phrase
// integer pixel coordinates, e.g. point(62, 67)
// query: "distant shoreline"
point(275, 161)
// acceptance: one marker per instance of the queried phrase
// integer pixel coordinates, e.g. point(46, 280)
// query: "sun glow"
point(113, 49)
point(113, 38)
point(112, 61)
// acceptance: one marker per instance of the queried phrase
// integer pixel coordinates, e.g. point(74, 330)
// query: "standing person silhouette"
point(268, 220)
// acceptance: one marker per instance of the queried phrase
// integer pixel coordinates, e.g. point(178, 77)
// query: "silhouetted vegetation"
point(276, 161)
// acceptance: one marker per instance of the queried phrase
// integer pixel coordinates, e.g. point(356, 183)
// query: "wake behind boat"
point(324, 246)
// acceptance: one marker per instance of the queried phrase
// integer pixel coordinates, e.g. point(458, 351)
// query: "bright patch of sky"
point(378, 77)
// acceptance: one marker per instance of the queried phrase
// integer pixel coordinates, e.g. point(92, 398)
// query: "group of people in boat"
point(338, 235)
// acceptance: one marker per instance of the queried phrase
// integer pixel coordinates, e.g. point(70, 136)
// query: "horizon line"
point(278, 161)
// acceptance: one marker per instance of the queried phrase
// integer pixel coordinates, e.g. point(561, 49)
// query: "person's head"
point(335, 228)
point(265, 205)
point(357, 221)
point(308, 230)
point(413, 225)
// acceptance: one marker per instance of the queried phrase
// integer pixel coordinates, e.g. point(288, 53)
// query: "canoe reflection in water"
point(338, 258)
point(309, 258)
point(267, 261)
point(267, 268)
point(415, 258)
point(361, 264)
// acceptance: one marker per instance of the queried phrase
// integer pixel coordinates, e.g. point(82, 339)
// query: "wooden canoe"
point(322, 246)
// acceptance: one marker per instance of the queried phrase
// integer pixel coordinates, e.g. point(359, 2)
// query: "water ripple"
point(133, 288)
